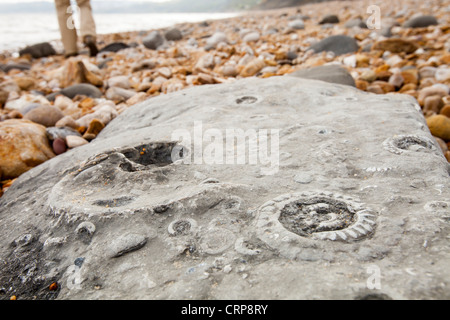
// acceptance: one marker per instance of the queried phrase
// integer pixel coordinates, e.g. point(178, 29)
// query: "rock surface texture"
point(352, 195)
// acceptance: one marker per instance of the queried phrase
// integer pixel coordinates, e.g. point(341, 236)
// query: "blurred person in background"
point(67, 28)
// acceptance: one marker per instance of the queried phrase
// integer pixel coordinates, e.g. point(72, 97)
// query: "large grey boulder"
point(351, 201)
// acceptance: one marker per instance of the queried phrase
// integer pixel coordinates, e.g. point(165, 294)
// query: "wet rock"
point(24, 146)
point(420, 22)
point(331, 18)
point(396, 45)
point(338, 44)
point(329, 73)
point(173, 34)
point(39, 50)
point(45, 115)
point(153, 40)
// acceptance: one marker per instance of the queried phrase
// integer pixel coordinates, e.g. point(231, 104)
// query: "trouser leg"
point(66, 26)
point(87, 23)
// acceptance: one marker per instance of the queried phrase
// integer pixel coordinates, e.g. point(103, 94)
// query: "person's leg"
point(68, 31)
point(87, 26)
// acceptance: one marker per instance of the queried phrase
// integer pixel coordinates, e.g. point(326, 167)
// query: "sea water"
point(19, 30)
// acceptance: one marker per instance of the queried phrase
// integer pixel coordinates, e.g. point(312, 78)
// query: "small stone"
point(297, 24)
point(327, 73)
point(120, 82)
point(396, 80)
point(431, 91)
point(75, 142)
point(442, 74)
point(361, 85)
point(385, 86)
point(67, 121)
point(408, 87)
point(355, 23)
point(338, 44)
point(395, 46)
point(126, 244)
point(24, 145)
point(331, 18)
point(445, 111)
point(410, 76)
point(251, 37)
point(427, 72)
point(173, 34)
point(442, 144)
point(439, 126)
point(118, 95)
point(252, 68)
point(95, 127)
point(137, 98)
point(54, 133)
point(39, 50)
point(230, 71)
point(82, 89)
point(59, 146)
point(3, 97)
point(114, 47)
point(215, 39)
point(368, 75)
point(45, 115)
point(25, 83)
point(374, 88)
point(420, 22)
point(433, 104)
point(153, 40)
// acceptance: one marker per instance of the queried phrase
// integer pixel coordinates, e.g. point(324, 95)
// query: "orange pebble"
point(53, 286)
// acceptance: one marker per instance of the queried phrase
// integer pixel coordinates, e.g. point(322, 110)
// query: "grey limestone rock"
point(356, 207)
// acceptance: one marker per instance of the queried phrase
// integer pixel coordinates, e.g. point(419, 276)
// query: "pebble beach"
point(50, 104)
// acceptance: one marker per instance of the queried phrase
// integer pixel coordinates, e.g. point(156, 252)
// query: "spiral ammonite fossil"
point(315, 215)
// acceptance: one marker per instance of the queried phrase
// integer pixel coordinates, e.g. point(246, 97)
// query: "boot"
point(89, 41)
